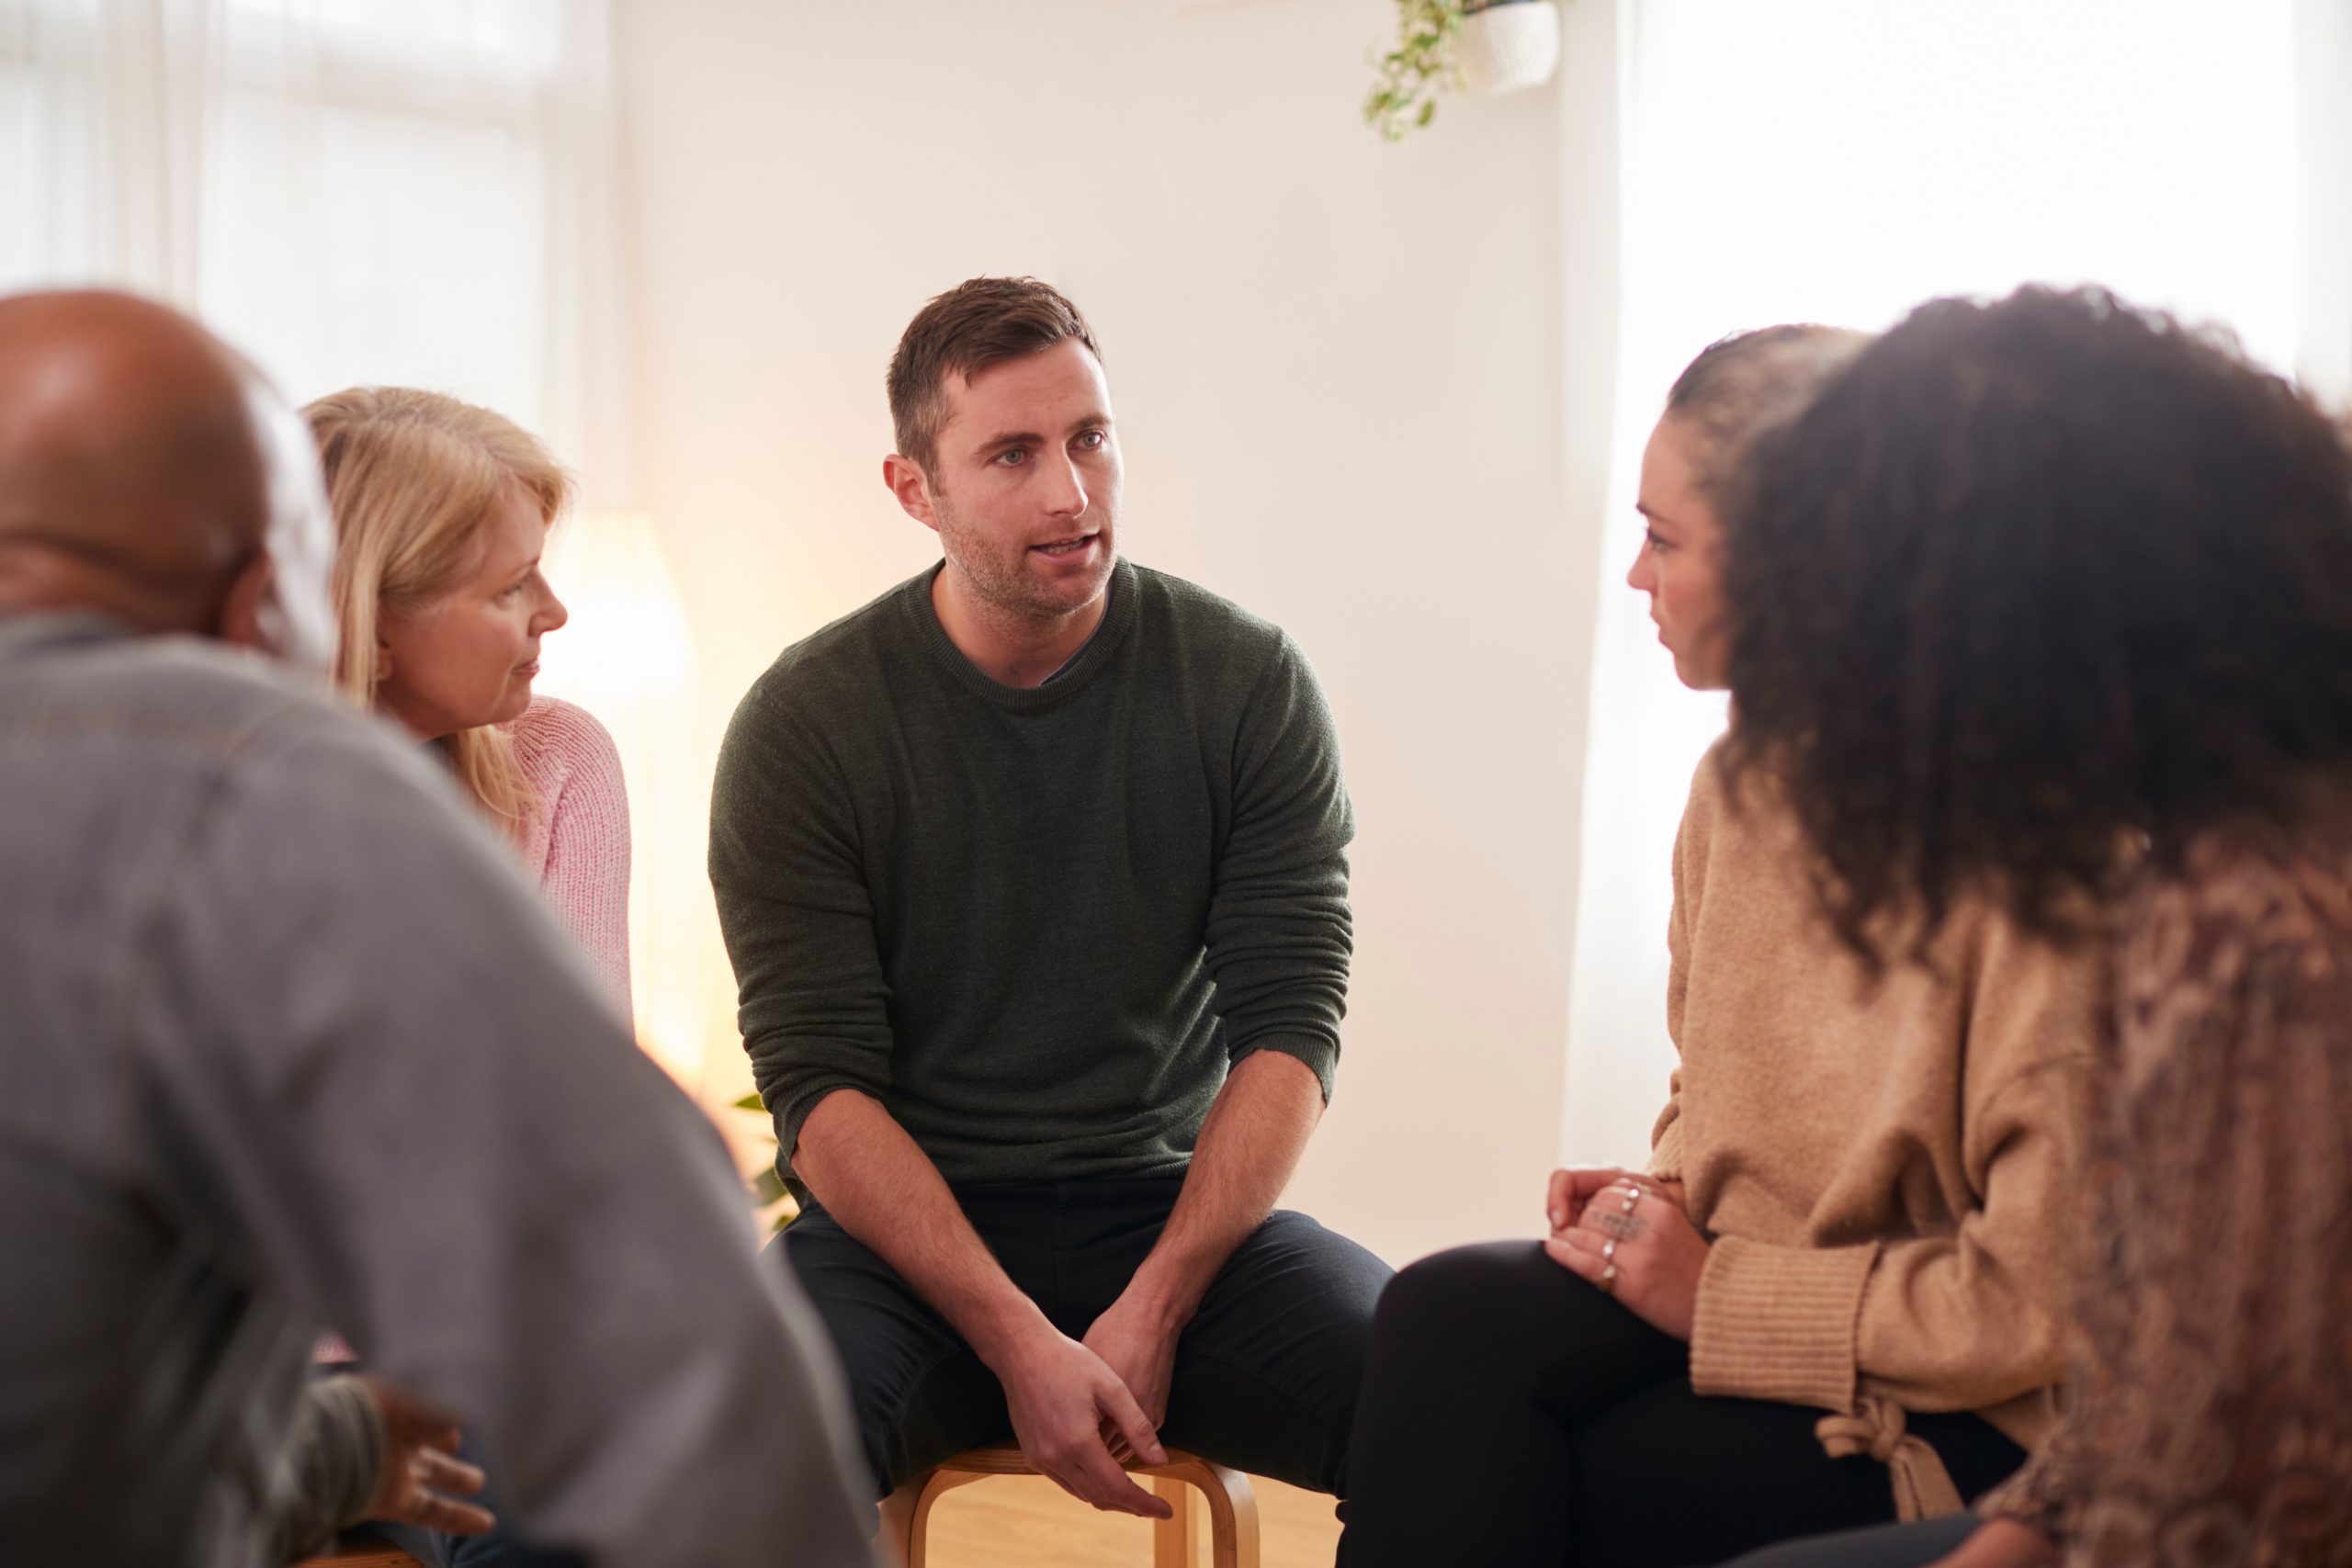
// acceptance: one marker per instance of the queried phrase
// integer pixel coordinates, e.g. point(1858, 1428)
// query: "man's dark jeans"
point(1266, 1372)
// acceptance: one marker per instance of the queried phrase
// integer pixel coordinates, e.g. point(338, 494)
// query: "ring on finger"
point(1633, 1196)
point(1608, 1249)
point(1608, 1280)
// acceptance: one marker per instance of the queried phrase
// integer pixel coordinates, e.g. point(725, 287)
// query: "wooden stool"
point(360, 1550)
point(1233, 1506)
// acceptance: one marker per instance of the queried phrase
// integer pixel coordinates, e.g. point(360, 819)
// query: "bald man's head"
point(147, 472)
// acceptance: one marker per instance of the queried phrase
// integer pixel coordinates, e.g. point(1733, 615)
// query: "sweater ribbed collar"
point(1118, 616)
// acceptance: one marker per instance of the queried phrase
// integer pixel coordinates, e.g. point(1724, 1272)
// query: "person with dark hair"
point(2049, 601)
point(1034, 874)
point(1833, 1297)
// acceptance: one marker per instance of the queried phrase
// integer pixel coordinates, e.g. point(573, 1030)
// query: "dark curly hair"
point(2032, 591)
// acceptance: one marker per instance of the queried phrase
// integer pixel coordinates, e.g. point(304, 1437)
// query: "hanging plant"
point(1405, 96)
point(1480, 46)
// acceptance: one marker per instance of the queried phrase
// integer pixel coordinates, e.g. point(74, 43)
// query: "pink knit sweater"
point(576, 844)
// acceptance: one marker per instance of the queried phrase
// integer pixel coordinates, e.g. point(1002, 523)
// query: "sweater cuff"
point(358, 1424)
point(1666, 1152)
point(793, 1113)
point(333, 1451)
point(1777, 1322)
point(1321, 1055)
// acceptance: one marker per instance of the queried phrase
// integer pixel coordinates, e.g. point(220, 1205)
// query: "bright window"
point(1840, 161)
point(349, 190)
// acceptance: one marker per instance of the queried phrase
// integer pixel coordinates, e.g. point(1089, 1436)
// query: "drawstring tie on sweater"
point(1876, 1426)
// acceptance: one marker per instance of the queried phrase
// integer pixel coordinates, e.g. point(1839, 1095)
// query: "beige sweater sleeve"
point(1666, 1134)
point(1957, 1321)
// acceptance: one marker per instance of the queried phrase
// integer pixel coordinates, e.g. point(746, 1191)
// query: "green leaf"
point(1417, 69)
point(750, 1103)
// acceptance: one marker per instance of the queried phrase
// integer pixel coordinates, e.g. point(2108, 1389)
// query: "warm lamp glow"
point(628, 657)
point(629, 638)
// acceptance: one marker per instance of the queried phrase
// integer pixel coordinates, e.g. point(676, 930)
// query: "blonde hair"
point(412, 478)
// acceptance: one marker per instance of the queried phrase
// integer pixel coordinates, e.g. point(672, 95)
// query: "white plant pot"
point(1510, 46)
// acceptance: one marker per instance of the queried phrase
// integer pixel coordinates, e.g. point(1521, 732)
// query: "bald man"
point(284, 1041)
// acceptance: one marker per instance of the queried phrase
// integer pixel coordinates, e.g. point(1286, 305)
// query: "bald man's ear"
point(254, 613)
point(245, 613)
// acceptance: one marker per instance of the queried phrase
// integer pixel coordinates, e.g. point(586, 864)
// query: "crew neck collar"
point(1118, 614)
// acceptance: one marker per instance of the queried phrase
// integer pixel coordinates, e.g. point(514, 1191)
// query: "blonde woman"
point(442, 511)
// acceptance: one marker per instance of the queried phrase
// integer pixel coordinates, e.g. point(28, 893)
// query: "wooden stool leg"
point(1233, 1514)
point(1171, 1538)
point(928, 1490)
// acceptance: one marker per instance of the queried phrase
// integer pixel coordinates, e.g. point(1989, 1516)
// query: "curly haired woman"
point(2050, 600)
point(1834, 1297)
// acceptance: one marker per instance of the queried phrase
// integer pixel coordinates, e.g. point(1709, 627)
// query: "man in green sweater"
point(1034, 874)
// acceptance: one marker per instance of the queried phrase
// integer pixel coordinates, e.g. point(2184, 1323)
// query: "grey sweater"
point(333, 1452)
point(1037, 925)
point(284, 1041)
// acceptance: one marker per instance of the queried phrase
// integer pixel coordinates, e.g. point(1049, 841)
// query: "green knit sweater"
point(1038, 924)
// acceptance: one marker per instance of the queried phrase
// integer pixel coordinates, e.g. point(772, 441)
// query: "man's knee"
point(906, 1370)
point(1325, 1286)
point(1268, 1374)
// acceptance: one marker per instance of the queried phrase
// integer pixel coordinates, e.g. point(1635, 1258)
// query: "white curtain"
point(2324, 104)
point(420, 192)
point(1840, 161)
point(416, 191)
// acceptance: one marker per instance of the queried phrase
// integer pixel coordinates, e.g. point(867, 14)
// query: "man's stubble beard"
point(1006, 588)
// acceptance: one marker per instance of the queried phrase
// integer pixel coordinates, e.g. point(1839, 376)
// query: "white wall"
point(2323, 51)
point(1337, 367)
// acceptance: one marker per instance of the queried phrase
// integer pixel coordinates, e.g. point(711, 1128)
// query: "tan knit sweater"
point(1888, 1168)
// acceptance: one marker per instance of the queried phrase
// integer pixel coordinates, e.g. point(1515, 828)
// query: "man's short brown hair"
point(980, 322)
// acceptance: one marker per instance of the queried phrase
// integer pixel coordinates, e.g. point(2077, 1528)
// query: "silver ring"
point(1608, 1249)
point(1633, 1196)
point(1609, 1281)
